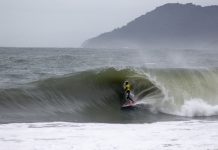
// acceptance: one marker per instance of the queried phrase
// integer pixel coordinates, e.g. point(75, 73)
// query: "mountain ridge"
point(172, 25)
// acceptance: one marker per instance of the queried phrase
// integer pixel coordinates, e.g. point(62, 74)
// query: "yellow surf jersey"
point(127, 87)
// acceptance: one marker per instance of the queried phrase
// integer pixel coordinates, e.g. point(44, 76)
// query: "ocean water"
point(71, 88)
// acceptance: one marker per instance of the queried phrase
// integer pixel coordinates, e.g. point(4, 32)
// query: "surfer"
point(129, 96)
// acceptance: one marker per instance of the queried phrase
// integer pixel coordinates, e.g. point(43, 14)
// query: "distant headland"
point(172, 25)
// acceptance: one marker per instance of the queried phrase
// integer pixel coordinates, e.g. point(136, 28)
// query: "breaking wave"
point(96, 96)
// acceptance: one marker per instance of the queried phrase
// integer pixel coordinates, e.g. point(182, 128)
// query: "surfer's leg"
point(130, 97)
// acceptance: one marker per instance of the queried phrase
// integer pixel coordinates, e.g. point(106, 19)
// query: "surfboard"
point(128, 105)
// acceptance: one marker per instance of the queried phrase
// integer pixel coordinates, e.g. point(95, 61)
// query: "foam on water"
point(183, 135)
point(198, 107)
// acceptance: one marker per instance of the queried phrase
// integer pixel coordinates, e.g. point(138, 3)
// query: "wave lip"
point(88, 96)
point(96, 96)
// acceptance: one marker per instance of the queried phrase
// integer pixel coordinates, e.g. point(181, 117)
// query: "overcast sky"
point(67, 23)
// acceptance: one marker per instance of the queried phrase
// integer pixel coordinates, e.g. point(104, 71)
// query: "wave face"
point(96, 96)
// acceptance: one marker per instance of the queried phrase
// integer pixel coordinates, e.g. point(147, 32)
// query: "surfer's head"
point(126, 82)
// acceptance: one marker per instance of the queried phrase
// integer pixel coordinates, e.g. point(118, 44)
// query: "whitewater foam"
point(183, 135)
point(197, 107)
point(178, 89)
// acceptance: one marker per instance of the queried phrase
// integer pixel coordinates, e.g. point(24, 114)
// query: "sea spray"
point(197, 107)
point(96, 96)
